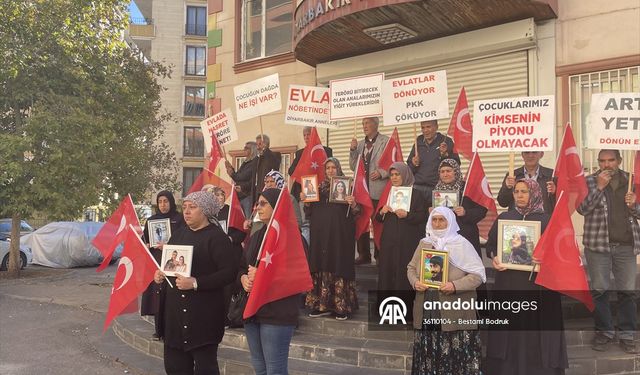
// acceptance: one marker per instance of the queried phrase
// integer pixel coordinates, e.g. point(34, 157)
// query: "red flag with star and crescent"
point(236, 215)
point(134, 273)
point(392, 152)
point(207, 178)
point(561, 268)
point(477, 189)
point(569, 172)
point(283, 270)
point(113, 231)
point(461, 128)
point(311, 160)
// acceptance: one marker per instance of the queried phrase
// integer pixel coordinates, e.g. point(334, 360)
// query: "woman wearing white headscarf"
point(451, 348)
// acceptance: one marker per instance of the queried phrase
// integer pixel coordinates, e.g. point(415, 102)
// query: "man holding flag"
point(612, 243)
point(192, 308)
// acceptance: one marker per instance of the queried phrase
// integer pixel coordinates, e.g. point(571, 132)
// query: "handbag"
point(236, 308)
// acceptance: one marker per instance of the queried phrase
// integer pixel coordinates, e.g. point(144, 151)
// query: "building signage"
point(257, 98)
point(310, 10)
point(415, 98)
point(614, 121)
point(514, 124)
point(222, 126)
point(309, 106)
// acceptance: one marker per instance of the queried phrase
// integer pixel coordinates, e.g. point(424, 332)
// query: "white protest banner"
point(258, 97)
point(222, 126)
point(514, 124)
point(415, 98)
point(356, 97)
point(614, 121)
point(308, 106)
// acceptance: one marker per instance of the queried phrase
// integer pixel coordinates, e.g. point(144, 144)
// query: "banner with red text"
point(258, 97)
point(222, 126)
point(614, 121)
point(356, 97)
point(309, 106)
point(416, 98)
point(514, 124)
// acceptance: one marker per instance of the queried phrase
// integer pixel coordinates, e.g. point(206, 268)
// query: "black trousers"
point(199, 361)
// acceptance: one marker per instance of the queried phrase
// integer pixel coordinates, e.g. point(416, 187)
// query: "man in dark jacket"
point(266, 162)
point(244, 177)
point(530, 170)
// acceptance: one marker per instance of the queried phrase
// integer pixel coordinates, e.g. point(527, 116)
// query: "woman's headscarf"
point(457, 182)
point(172, 204)
point(277, 177)
point(462, 254)
point(207, 203)
point(338, 167)
point(271, 195)
point(405, 172)
point(535, 205)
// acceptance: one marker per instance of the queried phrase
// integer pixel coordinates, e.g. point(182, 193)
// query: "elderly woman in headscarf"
point(536, 351)
point(401, 232)
point(453, 346)
point(469, 213)
point(332, 242)
point(166, 204)
point(192, 310)
point(272, 180)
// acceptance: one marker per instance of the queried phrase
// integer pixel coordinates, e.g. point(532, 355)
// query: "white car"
point(26, 256)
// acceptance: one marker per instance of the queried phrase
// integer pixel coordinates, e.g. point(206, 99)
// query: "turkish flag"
point(134, 273)
point(236, 215)
point(207, 177)
point(461, 128)
point(561, 268)
point(392, 152)
point(362, 197)
point(283, 270)
point(636, 174)
point(477, 189)
point(312, 159)
point(569, 172)
point(113, 232)
point(378, 226)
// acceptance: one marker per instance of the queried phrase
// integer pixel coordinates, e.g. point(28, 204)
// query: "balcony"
point(143, 28)
point(195, 29)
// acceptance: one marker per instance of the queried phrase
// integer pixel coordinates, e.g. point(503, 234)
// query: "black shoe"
point(360, 261)
point(342, 316)
point(629, 346)
point(155, 337)
point(601, 343)
point(318, 313)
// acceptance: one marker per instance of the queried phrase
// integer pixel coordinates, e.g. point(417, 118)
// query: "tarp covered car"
point(64, 244)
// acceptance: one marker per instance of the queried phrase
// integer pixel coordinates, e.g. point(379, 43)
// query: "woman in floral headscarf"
point(469, 213)
point(536, 351)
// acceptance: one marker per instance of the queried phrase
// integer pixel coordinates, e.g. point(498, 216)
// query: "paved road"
point(51, 323)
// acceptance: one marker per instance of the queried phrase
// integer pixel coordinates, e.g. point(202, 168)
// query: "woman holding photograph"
point(469, 213)
point(332, 242)
point(269, 331)
point(192, 311)
point(166, 205)
point(452, 348)
point(401, 233)
point(535, 351)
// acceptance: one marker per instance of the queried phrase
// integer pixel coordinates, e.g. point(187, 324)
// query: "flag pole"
point(473, 160)
point(150, 256)
point(233, 190)
point(512, 162)
point(564, 134)
point(261, 130)
point(631, 168)
point(353, 186)
point(590, 161)
point(415, 139)
point(355, 124)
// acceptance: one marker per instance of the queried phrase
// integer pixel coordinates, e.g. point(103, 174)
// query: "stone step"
point(585, 361)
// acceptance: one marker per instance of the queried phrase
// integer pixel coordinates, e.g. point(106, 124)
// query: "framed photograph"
point(159, 231)
point(445, 198)
point(516, 241)
point(434, 267)
point(400, 198)
point(176, 259)
point(340, 188)
point(310, 188)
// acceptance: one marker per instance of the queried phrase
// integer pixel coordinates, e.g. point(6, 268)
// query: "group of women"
point(192, 329)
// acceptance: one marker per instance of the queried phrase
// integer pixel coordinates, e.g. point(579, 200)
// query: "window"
point(581, 87)
point(194, 101)
point(196, 21)
point(193, 142)
point(266, 28)
point(195, 61)
point(189, 175)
